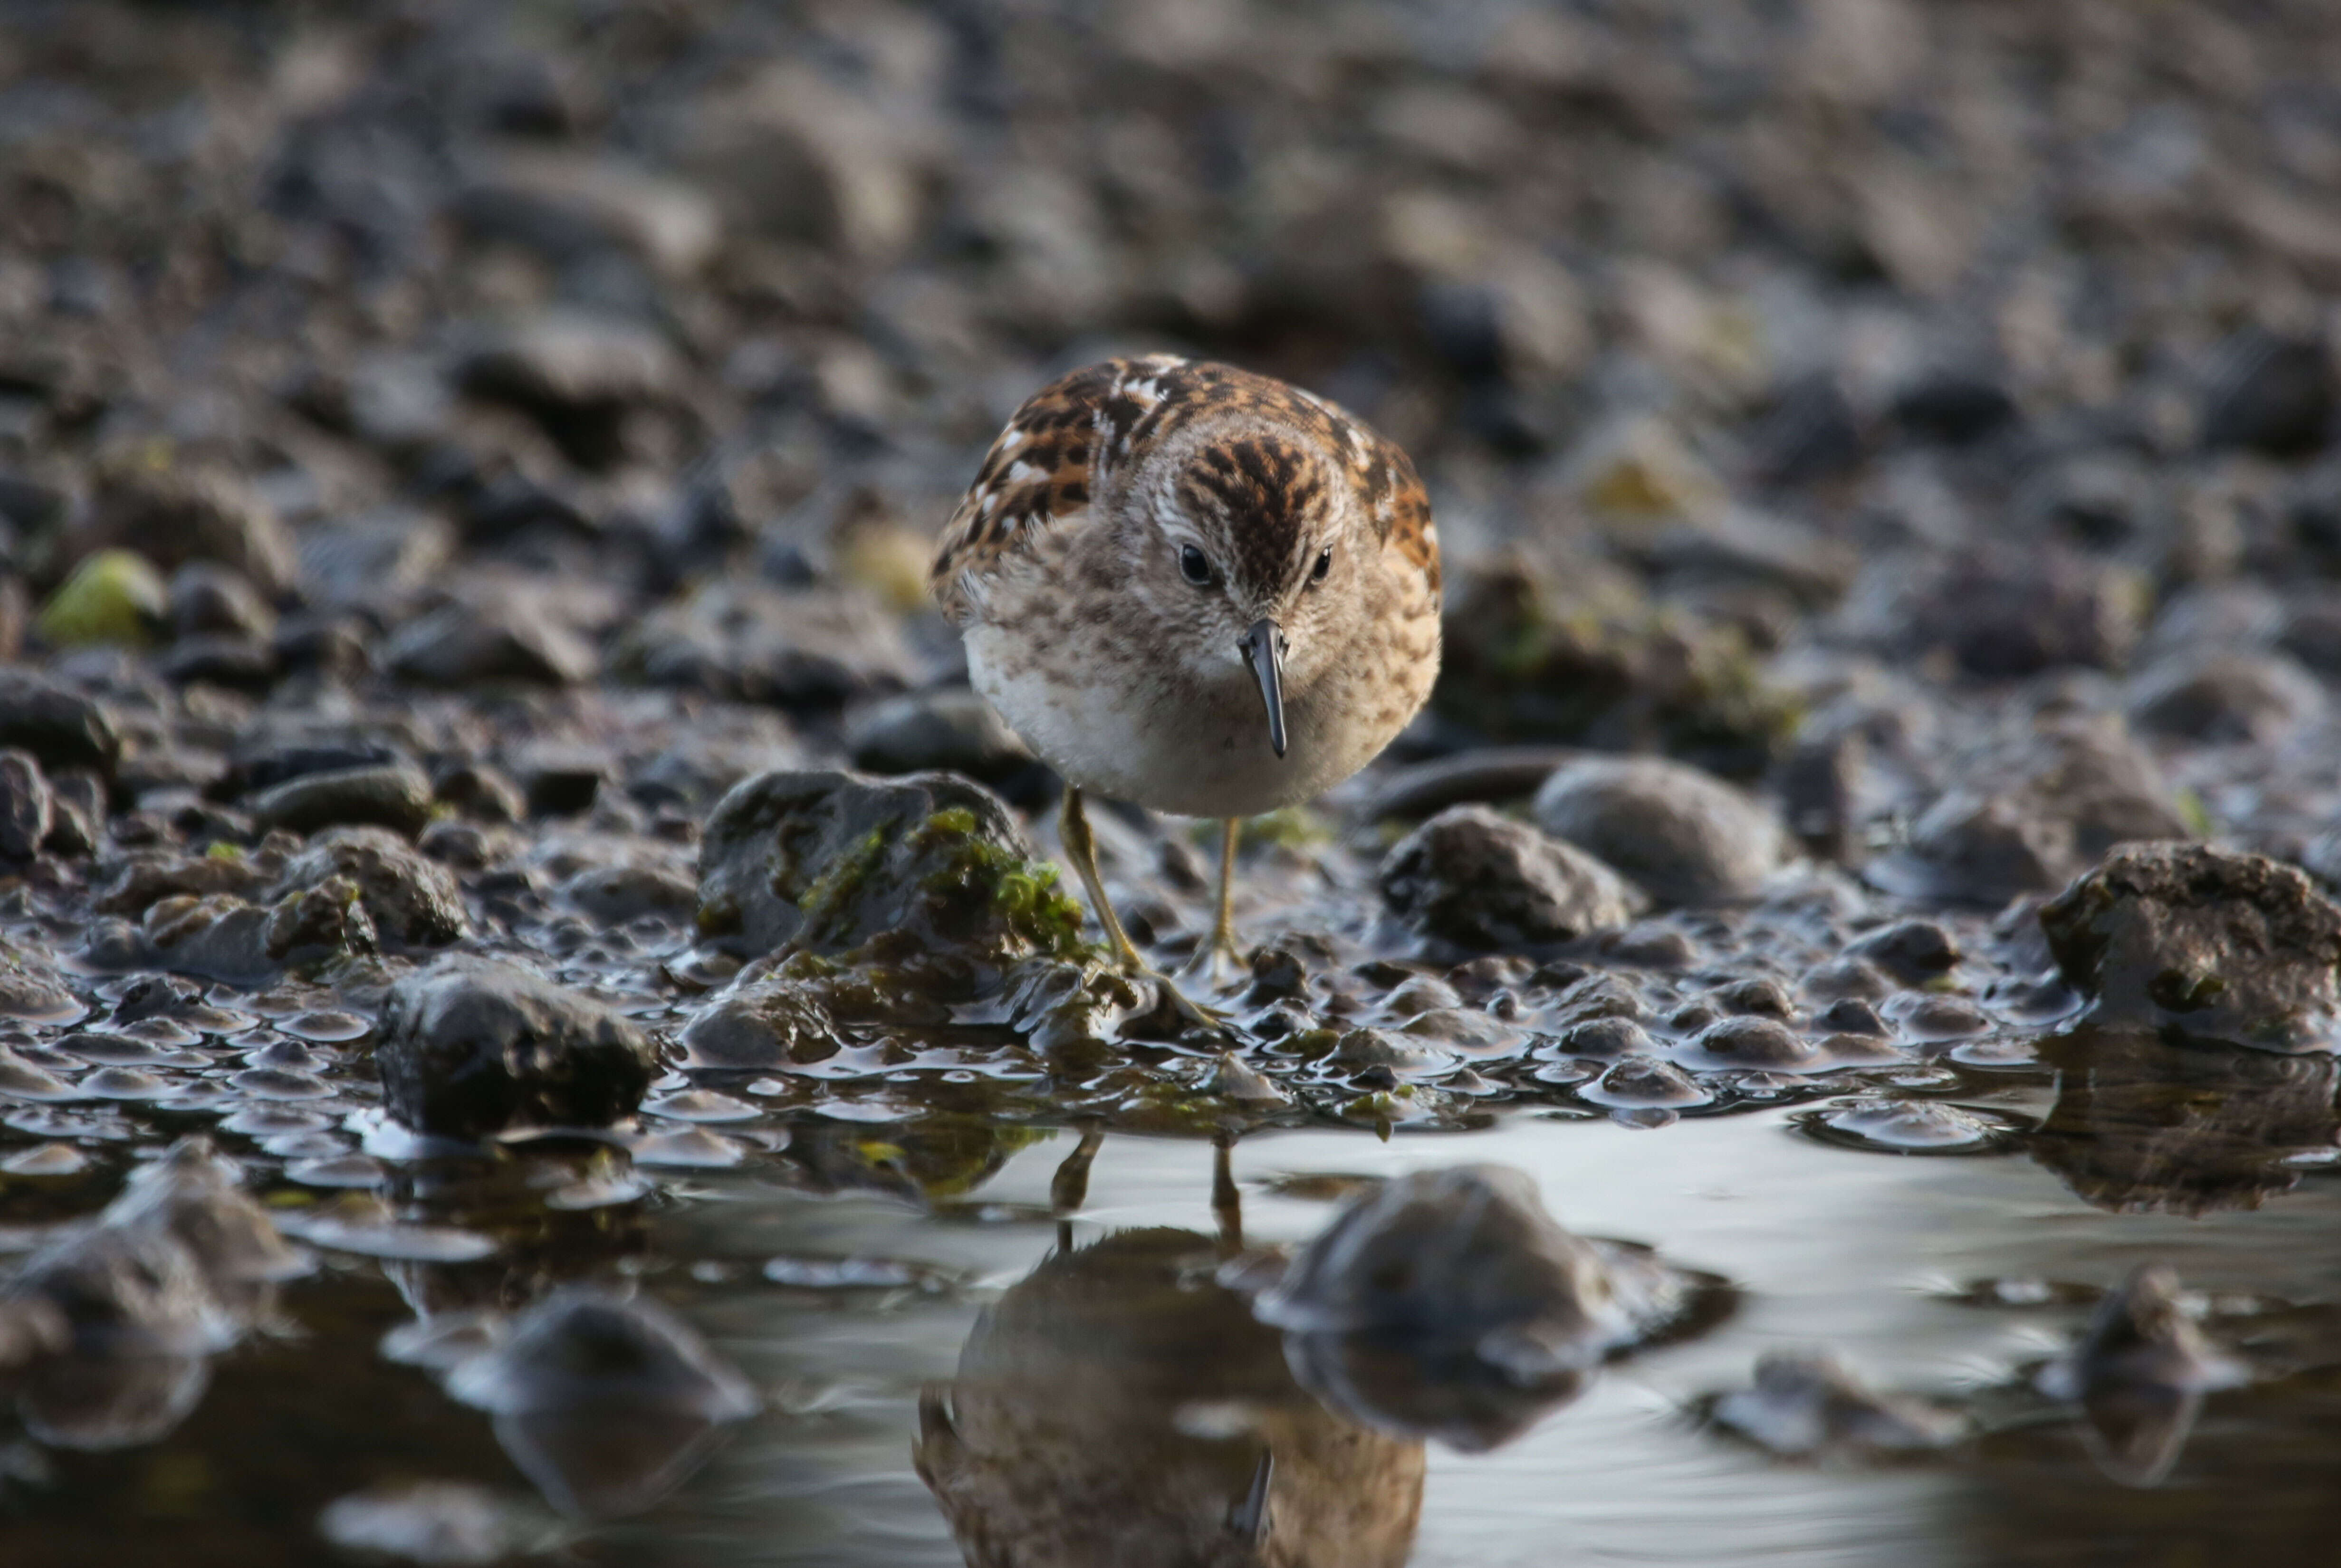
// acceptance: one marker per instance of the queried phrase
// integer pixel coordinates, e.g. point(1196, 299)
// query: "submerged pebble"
point(1808, 1403)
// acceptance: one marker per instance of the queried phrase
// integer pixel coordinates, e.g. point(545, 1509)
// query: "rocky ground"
point(467, 472)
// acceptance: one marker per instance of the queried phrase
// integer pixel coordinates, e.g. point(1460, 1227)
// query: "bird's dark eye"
point(1324, 564)
point(1194, 566)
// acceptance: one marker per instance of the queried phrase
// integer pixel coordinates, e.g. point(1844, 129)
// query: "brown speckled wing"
point(1049, 461)
point(1043, 468)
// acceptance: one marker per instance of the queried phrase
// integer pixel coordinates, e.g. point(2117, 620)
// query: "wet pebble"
point(1928, 1018)
point(128, 1084)
point(1599, 1037)
point(1910, 1126)
point(338, 1169)
point(326, 1025)
point(1478, 879)
point(1640, 1081)
point(280, 1084)
point(1756, 1042)
point(54, 1159)
point(1682, 834)
point(267, 1120)
point(854, 1274)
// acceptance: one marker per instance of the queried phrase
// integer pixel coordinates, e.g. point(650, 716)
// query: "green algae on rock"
point(928, 865)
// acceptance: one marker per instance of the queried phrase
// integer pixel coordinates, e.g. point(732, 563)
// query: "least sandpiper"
point(1194, 587)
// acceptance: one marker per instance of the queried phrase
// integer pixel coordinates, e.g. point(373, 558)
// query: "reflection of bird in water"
point(1118, 1407)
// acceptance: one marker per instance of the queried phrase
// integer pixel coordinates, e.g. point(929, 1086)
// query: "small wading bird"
point(1194, 587)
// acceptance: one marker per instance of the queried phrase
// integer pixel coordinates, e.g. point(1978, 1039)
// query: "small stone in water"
point(128, 1084)
point(365, 1226)
point(275, 1083)
point(1755, 1042)
point(702, 1106)
point(267, 1120)
point(338, 1170)
point(327, 1027)
point(1907, 1126)
point(852, 1273)
point(1646, 1081)
point(46, 1160)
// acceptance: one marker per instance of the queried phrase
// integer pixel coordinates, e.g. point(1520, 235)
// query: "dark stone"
point(578, 375)
point(481, 791)
point(1755, 1042)
point(2204, 944)
point(2270, 393)
point(2034, 813)
point(1851, 1015)
point(1470, 876)
point(1682, 835)
point(613, 895)
point(174, 516)
point(562, 782)
point(392, 795)
point(238, 663)
point(209, 598)
point(470, 1047)
point(1805, 1404)
point(1913, 952)
point(413, 901)
point(825, 861)
point(2001, 612)
point(951, 730)
point(60, 727)
point(25, 806)
point(31, 988)
point(1809, 432)
point(798, 649)
point(2233, 698)
point(500, 639)
point(253, 769)
point(1955, 405)
point(1758, 997)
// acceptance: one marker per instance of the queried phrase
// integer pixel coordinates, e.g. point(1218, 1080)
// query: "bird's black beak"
point(1263, 650)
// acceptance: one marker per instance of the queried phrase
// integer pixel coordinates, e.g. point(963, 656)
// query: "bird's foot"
point(1220, 967)
point(1191, 1013)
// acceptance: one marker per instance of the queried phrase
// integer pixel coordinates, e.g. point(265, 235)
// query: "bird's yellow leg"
point(1073, 830)
point(1220, 963)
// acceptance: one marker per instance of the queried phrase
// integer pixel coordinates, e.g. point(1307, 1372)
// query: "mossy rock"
point(1524, 662)
point(928, 865)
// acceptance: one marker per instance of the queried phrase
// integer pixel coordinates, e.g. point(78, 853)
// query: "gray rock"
point(394, 795)
point(952, 730)
point(470, 1047)
point(795, 648)
point(412, 901)
point(578, 374)
point(1912, 951)
point(2203, 943)
point(238, 663)
point(2033, 813)
point(2000, 612)
point(25, 806)
point(174, 516)
point(2227, 699)
point(768, 1023)
point(377, 563)
point(614, 895)
point(209, 598)
point(825, 861)
point(499, 639)
point(1684, 836)
point(31, 988)
point(57, 725)
point(1470, 876)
